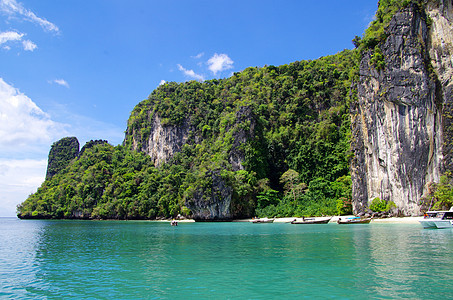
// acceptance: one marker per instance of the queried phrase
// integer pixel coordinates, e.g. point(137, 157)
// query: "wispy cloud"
point(12, 8)
point(15, 10)
point(219, 63)
point(13, 36)
point(9, 36)
point(29, 45)
point(198, 56)
point(190, 73)
point(22, 123)
point(61, 82)
point(18, 179)
point(26, 135)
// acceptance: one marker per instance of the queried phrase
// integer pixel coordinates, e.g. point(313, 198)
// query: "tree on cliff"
point(252, 138)
point(61, 153)
point(248, 129)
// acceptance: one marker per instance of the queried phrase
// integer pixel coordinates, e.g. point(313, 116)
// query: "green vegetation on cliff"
point(60, 155)
point(270, 120)
point(293, 117)
point(273, 139)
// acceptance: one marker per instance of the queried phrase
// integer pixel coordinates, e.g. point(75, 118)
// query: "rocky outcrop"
point(60, 154)
point(212, 200)
point(63, 151)
point(213, 203)
point(441, 54)
point(401, 115)
point(163, 140)
point(244, 128)
point(91, 144)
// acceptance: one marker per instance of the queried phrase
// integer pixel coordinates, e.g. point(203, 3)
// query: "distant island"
point(368, 130)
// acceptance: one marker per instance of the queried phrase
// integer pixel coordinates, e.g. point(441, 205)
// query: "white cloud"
point(18, 179)
point(198, 56)
point(13, 36)
point(13, 8)
point(190, 73)
point(26, 135)
point(8, 36)
point(29, 45)
point(162, 82)
point(219, 63)
point(22, 122)
point(61, 82)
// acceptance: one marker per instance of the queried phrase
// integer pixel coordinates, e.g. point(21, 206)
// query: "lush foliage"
point(104, 181)
point(294, 117)
point(440, 195)
point(287, 126)
point(380, 205)
point(60, 154)
point(277, 138)
point(376, 34)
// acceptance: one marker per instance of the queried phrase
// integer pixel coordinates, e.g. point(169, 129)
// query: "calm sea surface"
point(152, 260)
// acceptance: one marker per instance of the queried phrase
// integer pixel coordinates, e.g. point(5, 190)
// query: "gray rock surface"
point(401, 118)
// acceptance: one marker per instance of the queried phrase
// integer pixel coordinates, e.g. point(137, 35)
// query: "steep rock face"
point(163, 141)
point(217, 202)
point(60, 154)
point(398, 121)
point(243, 131)
point(441, 55)
point(213, 202)
point(212, 205)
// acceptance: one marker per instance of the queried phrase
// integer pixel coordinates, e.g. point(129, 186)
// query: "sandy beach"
point(403, 220)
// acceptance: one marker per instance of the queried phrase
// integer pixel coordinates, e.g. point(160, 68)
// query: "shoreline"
point(392, 220)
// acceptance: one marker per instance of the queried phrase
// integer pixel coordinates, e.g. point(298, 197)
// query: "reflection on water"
point(411, 257)
point(18, 247)
point(80, 259)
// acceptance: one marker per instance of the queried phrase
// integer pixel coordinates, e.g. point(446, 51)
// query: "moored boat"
point(438, 219)
point(315, 220)
point(354, 220)
point(264, 220)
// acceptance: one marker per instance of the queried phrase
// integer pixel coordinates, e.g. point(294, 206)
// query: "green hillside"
point(295, 158)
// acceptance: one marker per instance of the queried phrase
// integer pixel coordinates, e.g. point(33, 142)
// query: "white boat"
point(264, 220)
point(354, 220)
point(438, 219)
point(314, 220)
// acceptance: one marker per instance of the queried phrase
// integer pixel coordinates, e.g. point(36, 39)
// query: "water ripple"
point(152, 260)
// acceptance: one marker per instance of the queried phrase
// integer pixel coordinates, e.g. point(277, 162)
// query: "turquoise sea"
point(152, 260)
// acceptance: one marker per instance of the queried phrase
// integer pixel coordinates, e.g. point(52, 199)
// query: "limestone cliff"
point(64, 151)
point(163, 140)
point(213, 199)
point(441, 55)
point(60, 154)
point(214, 203)
point(401, 120)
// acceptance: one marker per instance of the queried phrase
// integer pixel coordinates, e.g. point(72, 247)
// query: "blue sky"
point(78, 68)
